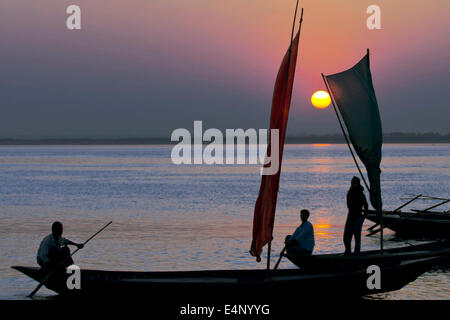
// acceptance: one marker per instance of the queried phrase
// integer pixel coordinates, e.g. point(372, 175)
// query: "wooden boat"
point(415, 224)
point(340, 262)
point(233, 283)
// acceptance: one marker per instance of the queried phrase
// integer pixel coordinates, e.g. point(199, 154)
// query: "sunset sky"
point(147, 67)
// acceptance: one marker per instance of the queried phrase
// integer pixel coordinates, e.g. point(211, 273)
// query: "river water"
point(169, 217)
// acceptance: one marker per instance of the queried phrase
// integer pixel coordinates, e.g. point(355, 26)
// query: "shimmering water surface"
point(168, 217)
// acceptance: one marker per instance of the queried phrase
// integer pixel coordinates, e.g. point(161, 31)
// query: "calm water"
point(168, 217)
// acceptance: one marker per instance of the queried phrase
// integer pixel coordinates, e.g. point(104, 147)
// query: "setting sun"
point(320, 99)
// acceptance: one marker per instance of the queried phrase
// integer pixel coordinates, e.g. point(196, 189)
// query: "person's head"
point(57, 229)
point(355, 182)
point(304, 215)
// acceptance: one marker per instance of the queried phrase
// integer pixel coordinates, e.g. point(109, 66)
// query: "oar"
point(279, 259)
point(428, 197)
point(393, 224)
point(373, 227)
point(436, 205)
point(62, 262)
point(411, 215)
point(403, 205)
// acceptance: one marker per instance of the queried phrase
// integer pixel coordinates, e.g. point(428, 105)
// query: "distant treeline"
point(394, 137)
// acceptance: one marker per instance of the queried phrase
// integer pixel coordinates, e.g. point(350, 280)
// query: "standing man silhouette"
point(356, 201)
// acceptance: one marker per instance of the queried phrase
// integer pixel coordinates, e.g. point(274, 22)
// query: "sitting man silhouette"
point(53, 249)
point(302, 240)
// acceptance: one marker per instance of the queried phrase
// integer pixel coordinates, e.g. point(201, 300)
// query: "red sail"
point(266, 203)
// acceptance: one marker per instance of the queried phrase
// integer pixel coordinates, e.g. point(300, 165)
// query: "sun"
point(320, 99)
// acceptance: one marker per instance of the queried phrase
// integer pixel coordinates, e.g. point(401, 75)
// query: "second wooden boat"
point(389, 257)
point(415, 224)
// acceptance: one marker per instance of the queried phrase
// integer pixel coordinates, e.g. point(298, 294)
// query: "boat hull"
point(233, 283)
point(415, 224)
point(389, 257)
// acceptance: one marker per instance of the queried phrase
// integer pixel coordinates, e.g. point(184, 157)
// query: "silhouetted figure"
point(53, 249)
point(356, 200)
point(302, 240)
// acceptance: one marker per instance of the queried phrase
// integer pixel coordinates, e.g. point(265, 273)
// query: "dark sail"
point(355, 97)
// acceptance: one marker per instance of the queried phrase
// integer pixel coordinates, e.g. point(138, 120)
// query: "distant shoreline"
point(305, 139)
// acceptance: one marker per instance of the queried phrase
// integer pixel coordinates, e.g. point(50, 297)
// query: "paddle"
point(437, 205)
point(373, 227)
point(279, 259)
point(62, 262)
point(429, 197)
point(410, 216)
point(392, 224)
point(403, 205)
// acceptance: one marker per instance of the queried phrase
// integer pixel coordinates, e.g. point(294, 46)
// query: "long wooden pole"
point(62, 262)
point(353, 156)
point(397, 209)
point(436, 205)
point(417, 212)
point(392, 224)
point(293, 25)
point(428, 197)
point(380, 209)
point(279, 259)
point(405, 204)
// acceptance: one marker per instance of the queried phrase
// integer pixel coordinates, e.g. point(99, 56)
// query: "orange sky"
point(232, 48)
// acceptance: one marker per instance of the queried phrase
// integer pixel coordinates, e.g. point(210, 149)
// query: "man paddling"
point(53, 249)
point(302, 240)
point(356, 201)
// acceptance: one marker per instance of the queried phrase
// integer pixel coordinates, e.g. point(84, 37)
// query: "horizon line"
point(393, 137)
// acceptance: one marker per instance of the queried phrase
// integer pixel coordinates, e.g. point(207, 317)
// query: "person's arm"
point(300, 234)
point(71, 243)
point(308, 231)
point(365, 204)
point(43, 254)
point(293, 238)
point(309, 237)
point(348, 201)
point(290, 242)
